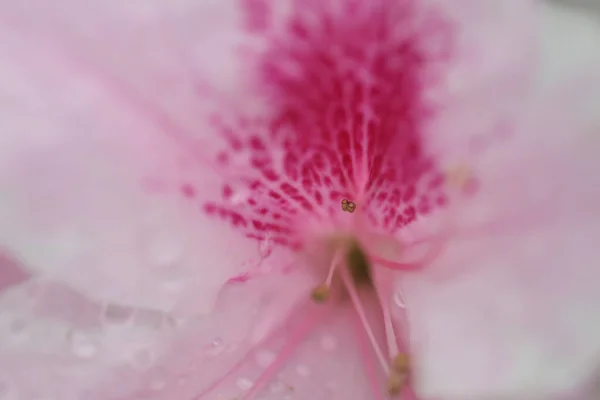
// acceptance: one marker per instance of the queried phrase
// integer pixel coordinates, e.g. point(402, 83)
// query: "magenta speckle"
point(346, 120)
point(188, 190)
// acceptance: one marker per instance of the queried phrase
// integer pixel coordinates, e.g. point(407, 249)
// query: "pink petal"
point(12, 272)
point(510, 309)
point(97, 189)
point(326, 365)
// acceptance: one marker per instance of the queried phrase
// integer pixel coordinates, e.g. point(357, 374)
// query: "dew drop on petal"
point(18, 329)
point(157, 384)
point(328, 343)
point(277, 387)
point(115, 314)
point(399, 300)
point(239, 196)
point(215, 347)
point(244, 383)
point(82, 345)
point(264, 358)
point(173, 285)
point(142, 358)
point(149, 318)
point(162, 249)
point(302, 370)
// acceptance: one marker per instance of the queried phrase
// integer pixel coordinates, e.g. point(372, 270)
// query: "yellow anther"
point(321, 293)
point(401, 363)
point(395, 383)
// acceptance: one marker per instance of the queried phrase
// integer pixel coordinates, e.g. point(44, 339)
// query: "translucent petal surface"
point(92, 176)
point(510, 308)
point(105, 118)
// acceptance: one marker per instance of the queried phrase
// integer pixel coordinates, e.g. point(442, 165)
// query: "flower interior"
point(337, 166)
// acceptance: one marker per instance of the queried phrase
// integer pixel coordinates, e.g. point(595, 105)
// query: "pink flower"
point(297, 199)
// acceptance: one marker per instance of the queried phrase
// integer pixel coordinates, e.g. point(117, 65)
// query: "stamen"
point(348, 206)
point(395, 383)
point(401, 363)
point(399, 376)
point(321, 293)
point(363, 348)
point(363, 318)
point(390, 334)
point(291, 345)
point(276, 333)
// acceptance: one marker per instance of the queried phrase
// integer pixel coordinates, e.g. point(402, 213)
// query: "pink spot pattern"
point(345, 83)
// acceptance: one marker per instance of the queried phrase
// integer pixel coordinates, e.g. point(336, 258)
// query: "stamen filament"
point(363, 348)
point(334, 263)
point(363, 318)
point(321, 293)
point(276, 333)
point(291, 345)
point(390, 333)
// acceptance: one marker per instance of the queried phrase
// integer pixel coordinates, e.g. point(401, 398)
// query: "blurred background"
point(593, 5)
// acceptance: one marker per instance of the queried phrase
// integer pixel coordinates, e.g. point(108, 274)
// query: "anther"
point(348, 206)
point(395, 383)
point(401, 363)
point(321, 293)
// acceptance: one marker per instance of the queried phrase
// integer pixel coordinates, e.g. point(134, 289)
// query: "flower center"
point(344, 89)
point(350, 277)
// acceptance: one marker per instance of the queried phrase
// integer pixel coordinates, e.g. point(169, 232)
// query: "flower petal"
point(509, 310)
point(97, 190)
point(323, 366)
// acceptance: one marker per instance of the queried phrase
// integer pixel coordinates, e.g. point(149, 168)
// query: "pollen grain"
point(348, 206)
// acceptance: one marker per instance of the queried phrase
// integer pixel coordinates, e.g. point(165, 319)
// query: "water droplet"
point(302, 370)
point(115, 314)
point(142, 358)
point(18, 329)
point(244, 383)
point(278, 387)
point(82, 345)
point(173, 284)
point(264, 358)
point(328, 342)
point(157, 384)
point(240, 196)
point(149, 318)
point(174, 322)
point(216, 347)
point(163, 248)
point(265, 247)
point(399, 299)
